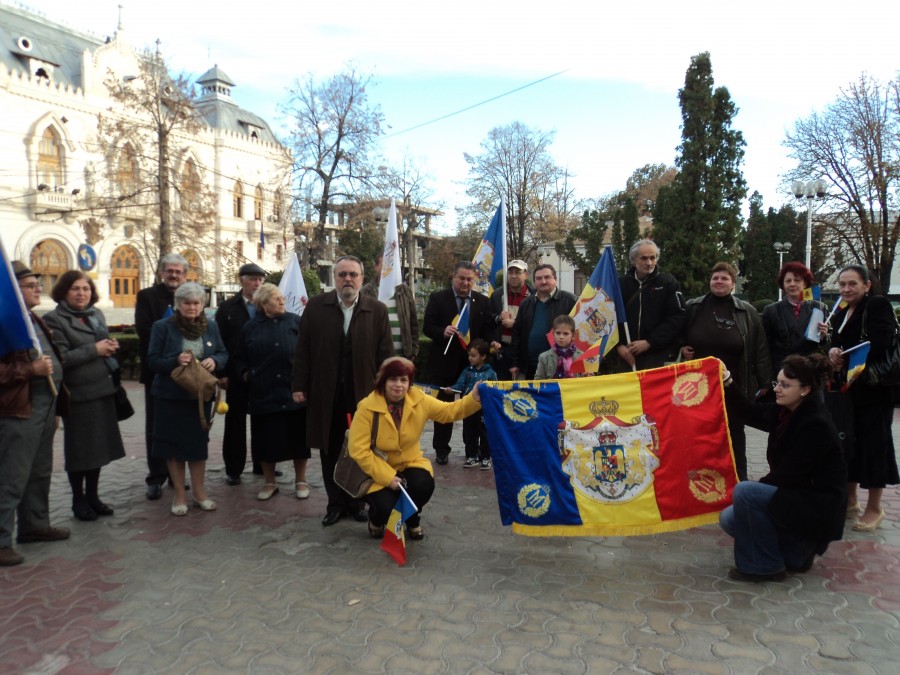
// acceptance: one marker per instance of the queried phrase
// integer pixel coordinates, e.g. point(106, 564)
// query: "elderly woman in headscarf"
point(178, 435)
point(91, 374)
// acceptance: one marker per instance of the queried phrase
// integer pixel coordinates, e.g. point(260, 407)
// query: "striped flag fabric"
point(856, 362)
point(490, 257)
point(619, 455)
point(391, 276)
point(16, 329)
point(597, 314)
point(463, 326)
point(394, 541)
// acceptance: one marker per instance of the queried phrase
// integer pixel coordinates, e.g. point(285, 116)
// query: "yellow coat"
point(402, 448)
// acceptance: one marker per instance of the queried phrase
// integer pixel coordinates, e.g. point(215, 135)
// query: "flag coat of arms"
point(490, 258)
point(597, 314)
point(619, 455)
point(394, 541)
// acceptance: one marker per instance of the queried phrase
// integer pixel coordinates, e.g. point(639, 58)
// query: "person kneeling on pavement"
point(401, 413)
point(780, 523)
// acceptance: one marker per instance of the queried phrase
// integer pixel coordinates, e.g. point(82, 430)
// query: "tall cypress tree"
point(697, 218)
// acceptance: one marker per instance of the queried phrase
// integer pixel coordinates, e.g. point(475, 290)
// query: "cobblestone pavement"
point(262, 587)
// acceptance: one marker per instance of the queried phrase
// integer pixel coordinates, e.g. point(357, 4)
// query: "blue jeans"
point(759, 547)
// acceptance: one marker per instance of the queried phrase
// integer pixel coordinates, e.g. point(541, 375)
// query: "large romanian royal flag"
point(629, 454)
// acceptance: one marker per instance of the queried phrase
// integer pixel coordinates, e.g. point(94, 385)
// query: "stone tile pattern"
point(262, 587)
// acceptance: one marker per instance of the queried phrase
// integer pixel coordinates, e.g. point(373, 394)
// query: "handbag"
point(886, 371)
point(124, 409)
point(840, 407)
point(347, 473)
point(199, 383)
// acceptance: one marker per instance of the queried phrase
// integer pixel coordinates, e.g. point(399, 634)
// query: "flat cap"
point(251, 270)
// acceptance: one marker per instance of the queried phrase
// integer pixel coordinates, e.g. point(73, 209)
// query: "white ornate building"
point(58, 165)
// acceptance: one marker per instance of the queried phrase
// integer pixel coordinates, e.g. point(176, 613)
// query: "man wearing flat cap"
point(29, 383)
point(230, 318)
point(517, 290)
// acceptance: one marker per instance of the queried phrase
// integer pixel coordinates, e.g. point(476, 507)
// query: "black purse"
point(886, 371)
point(124, 409)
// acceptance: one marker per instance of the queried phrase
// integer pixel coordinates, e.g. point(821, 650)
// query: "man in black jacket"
point(152, 304)
point(536, 314)
point(654, 308)
point(443, 307)
point(231, 317)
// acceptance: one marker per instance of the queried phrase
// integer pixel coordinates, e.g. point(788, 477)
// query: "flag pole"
point(505, 261)
point(459, 318)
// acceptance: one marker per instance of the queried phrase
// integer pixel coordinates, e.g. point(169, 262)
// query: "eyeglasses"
point(778, 384)
point(723, 324)
point(344, 275)
point(33, 284)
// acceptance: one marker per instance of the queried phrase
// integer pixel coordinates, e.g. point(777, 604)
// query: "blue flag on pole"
point(16, 330)
point(490, 258)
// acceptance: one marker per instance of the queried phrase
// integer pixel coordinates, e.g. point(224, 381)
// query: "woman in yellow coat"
point(401, 412)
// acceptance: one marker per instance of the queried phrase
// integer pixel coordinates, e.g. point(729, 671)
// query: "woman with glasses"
point(782, 522)
point(863, 317)
point(719, 324)
point(786, 321)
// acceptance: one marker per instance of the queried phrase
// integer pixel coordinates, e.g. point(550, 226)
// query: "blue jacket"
point(471, 376)
point(265, 355)
point(166, 343)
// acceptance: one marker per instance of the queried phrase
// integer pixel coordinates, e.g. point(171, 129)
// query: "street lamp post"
point(814, 189)
point(781, 248)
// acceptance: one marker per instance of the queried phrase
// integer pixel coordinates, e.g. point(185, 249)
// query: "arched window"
point(126, 173)
point(190, 187)
point(194, 270)
point(124, 276)
point(237, 200)
point(49, 259)
point(258, 203)
point(50, 164)
point(277, 206)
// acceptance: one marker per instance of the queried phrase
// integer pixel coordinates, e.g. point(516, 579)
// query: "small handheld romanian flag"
point(856, 362)
point(394, 542)
point(618, 455)
point(463, 325)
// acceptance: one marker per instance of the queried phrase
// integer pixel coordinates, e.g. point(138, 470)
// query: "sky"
point(613, 107)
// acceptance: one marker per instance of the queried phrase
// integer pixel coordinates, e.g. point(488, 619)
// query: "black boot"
point(92, 482)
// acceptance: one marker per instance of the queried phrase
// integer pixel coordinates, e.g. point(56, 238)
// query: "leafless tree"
point(334, 127)
point(515, 163)
point(854, 144)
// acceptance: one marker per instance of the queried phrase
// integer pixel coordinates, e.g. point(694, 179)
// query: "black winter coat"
point(264, 354)
point(655, 312)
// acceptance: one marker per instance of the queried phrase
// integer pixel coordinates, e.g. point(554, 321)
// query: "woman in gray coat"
point(91, 374)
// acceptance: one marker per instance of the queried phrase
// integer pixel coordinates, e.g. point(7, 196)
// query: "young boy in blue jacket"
point(478, 452)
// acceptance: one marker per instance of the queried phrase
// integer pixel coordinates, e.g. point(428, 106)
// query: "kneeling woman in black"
point(797, 509)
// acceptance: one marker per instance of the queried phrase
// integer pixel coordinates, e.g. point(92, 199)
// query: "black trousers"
point(442, 432)
point(234, 444)
point(158, 472)
point(338, 500)
point(419, 485)
point(475, 437)
point(738, 440)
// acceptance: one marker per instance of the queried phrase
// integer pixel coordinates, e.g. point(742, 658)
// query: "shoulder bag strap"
point(376, 451)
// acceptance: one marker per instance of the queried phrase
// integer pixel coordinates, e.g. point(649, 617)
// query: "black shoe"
point(100, 508)
point(232, 480)
point(331, 517)
point(442, 459)
point(737, 575)
point(154, 491)
point(805, 567)
point(84, 512)
point(361, 516)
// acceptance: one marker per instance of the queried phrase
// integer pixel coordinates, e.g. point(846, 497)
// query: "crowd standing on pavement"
point(329, 377)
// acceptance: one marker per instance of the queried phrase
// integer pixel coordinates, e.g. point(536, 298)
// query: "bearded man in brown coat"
point(344, 337)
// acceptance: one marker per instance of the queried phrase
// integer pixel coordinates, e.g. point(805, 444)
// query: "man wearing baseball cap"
point(517, 290)
point(29, 383)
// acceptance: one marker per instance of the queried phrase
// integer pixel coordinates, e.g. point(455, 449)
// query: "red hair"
point(798, 269)
point(395, 366)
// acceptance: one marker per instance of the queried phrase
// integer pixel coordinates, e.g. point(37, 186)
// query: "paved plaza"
point(262, 587)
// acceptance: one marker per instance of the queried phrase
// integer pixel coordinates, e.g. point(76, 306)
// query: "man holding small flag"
point(30, 376)
point(453, 317)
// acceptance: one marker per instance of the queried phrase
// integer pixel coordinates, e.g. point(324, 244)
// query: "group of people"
point(334, 377)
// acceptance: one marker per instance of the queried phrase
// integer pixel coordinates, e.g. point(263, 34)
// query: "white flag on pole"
point(391, 272)
point(293, 288)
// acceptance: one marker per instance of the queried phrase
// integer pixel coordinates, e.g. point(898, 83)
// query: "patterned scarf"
point(563, 360)
point(190, 329)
